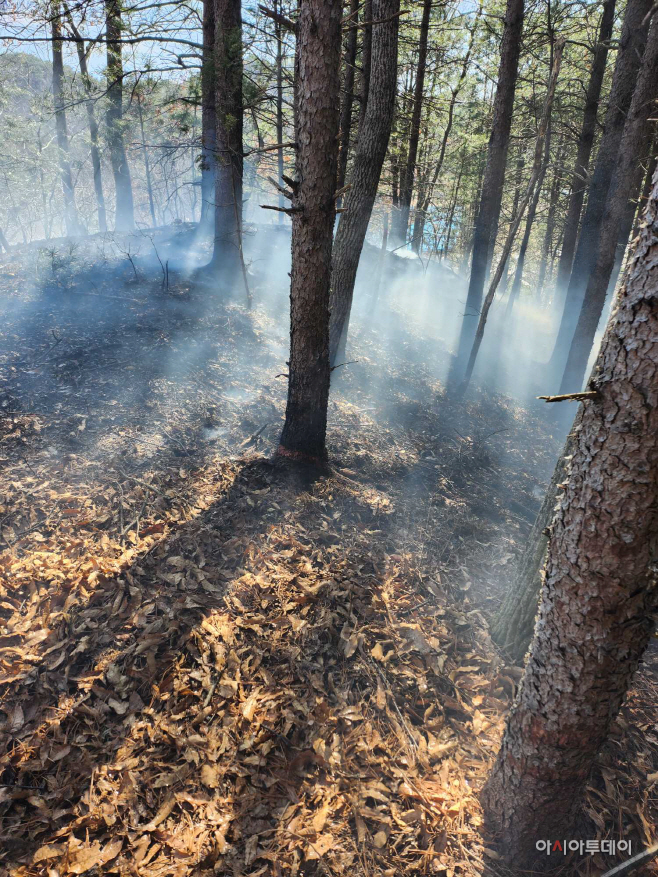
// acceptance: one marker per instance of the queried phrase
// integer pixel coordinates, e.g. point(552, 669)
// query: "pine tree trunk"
point(585, 143)
point(635, 136)
point(278, 35)
point(147, 163)
point(629, 58)
point(228, 142)
point(124, 214)
point(406, 193)
point(316, 135)
point(492, 187)
point(366, 60)
point(599, 595)
point(208, 116)
point(347, 98)
point(371, 148)
point(70, 211)
point(550, 219)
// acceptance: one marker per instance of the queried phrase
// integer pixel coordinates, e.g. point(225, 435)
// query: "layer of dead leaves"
point(209, 665)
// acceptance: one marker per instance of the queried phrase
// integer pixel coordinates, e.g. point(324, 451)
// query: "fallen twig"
point(571, 397)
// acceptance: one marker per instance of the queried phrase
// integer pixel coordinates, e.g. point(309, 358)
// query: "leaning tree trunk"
point(313, 213)
point(371, 148)
point(537, 165)
point(635, 136)
point(599, 596)
point(208, 116)
point(492, 187)
point(70, 211)
point(228, 144)
point(585, 143)
point(629, 57)
point(550, 219)
point(347, 98)
point(402, 214)
point(124, 214)
point(514, 624)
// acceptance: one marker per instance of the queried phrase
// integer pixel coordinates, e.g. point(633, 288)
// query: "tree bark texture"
point(599, 595)
point(70, 211)
point(629, 58)
point(316, 136)
point(347, 98)
point(406, 192)
point(228, 139)
point(585, 144)
point(366, 60)
point(124, 212)
point(494, 176)
point(633, 142)
point(208, 115)
point(371, 148)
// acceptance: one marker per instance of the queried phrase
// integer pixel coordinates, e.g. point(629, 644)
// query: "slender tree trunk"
point(348, 93)
point(419, 219)
point(316, 135)
point(599, 596)
point(92, 123)
point(550, 219)
point(124, 214)
point(629, 58)
point(147, 164)
point(3, 241)
point(537, 165)
point(278, 35)
point(585, 143)
point(402, 215)
point(382, 261)
point(366, 60)
point(525, 241)
point(634, 137)
point(371, 148)
point(451, 210)
point(513, 626)
point(70, 211)
point(228, 144)
point(492, 188)
point(208, 116)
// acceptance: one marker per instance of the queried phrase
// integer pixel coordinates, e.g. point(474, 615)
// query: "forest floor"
point(214, 664)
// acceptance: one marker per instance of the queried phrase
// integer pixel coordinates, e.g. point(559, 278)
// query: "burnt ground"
point(211, 664)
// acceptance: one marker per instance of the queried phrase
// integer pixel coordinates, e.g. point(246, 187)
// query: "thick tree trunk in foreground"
point(70, 211)
point(228, 143)
point(633, 142)
point(585, 143)
point(347, 98)
point(208, 116)
point(316, 136)
point(371, 147)
point(599, 594)
point(629, 57)
point(402, 215)
point(366, 60)
point(492, 187)
point(124, 214)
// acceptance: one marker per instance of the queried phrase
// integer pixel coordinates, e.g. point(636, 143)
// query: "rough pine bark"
point(494, 176)
point(316, 136)
point(124, 212)
point(347, 97)
point(278, 35)
point(228, 139)
point(371, 147)
point(208, 116)
point(585, 143)
point(599, 595)
point(402, 214)
point(366, 60)
point(629, 58)
point(633, 141)
point(70, 211)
